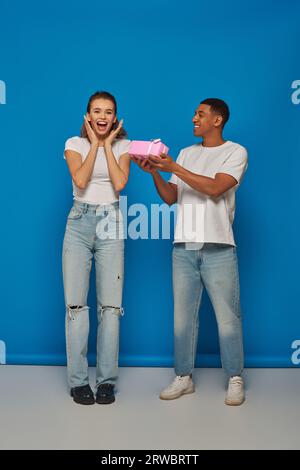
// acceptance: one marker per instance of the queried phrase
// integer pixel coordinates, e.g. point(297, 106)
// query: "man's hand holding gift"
point(151, 156)
point(144, 164)
point(163, 163)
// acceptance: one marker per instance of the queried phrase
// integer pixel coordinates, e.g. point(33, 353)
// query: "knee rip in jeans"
point(76, 309)
point(115, 310)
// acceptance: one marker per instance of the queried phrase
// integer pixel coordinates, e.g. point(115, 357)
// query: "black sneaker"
point(105, 394)
point(83, 395)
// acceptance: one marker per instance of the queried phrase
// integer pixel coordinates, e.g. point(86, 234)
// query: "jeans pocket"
point(75, 213)
point(114, 215)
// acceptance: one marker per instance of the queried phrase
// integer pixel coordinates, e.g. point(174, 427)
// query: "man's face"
point(205, 120)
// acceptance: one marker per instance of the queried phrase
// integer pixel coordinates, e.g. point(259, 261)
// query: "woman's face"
point(102, 116)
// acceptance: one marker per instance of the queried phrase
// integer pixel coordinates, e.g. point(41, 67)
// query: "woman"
point(99, 166)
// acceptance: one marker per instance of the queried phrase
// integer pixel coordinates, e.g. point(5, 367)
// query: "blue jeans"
point(93, 231)
point(215, 267)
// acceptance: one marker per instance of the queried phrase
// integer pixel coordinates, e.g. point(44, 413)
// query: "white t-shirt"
point(201, 218)
point(100, 189)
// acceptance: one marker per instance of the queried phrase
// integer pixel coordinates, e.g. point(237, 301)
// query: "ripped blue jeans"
point(93, 231)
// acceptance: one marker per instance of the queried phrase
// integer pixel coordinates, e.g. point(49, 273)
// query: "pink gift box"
point(144, 148)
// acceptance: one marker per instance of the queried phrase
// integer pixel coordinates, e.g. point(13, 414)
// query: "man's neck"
point(213, 140)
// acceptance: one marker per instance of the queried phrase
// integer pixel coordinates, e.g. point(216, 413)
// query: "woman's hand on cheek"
point(113, 134)
point(90, 132)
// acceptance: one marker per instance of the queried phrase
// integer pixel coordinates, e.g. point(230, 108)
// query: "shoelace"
point(105, 386)
point(86, 391)
point(236, 383)
point(178, 379)
point(105, 389)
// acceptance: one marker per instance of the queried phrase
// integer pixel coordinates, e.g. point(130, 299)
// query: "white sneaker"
point(235, 393)
point(179, 386)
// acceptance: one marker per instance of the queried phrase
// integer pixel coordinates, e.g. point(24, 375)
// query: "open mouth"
point(102, 125)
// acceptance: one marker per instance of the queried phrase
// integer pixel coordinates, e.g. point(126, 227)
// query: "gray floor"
point(36, 412)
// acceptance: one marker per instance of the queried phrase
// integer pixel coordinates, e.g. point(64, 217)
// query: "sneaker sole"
point(105, 402)
point(234, 403)
point(187, 392)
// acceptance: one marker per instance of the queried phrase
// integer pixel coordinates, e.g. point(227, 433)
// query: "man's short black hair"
point(218, 107)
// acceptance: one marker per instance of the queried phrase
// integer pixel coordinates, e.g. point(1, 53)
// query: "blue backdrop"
point(159, 59)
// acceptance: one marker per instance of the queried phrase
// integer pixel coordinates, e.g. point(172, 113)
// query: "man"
point(203, 183)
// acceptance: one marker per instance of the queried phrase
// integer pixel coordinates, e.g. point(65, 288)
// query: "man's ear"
point(218, 120)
